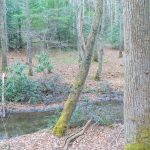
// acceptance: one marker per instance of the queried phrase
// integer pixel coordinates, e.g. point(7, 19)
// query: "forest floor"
point(65, 68)
point(96, 137)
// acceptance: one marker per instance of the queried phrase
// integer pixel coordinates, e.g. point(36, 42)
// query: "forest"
point(75, 75)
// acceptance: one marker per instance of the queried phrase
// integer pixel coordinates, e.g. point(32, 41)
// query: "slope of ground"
point(95, 138)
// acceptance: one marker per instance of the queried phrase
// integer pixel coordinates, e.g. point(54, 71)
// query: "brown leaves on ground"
point(95, 138)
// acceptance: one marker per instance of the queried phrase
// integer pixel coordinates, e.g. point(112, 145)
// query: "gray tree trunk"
point(81, 41)
point(137, 74)
point(98, 75)
point(28, 37)
point(4, 38)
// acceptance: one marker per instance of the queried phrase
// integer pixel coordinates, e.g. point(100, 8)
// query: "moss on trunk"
point(136, 146)
point(143, 138)
point(60, 128)
point(70, 105)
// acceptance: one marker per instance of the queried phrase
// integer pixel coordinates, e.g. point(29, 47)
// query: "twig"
point(76, 135)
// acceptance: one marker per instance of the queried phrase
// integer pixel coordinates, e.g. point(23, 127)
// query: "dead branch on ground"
point(74, 136)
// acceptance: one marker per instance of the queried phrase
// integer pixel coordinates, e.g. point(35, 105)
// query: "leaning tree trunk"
point(137, 74)
point(4, 38)
point(70, 105)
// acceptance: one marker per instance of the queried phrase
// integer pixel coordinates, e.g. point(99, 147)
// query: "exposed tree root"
point(74, 136)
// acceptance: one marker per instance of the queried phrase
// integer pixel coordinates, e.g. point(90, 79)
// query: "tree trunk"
point(20, 41)
point(4, 38)
point(29, 53)
point(29, 39)
point(98, 75)
point(70, 105)
point(120, 19)
point(137, 74)
point(81, 41)
point(95, 56)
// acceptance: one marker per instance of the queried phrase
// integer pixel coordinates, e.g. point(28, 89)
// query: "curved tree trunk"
point(61, 126)
point(137, 74)
point(4, 38)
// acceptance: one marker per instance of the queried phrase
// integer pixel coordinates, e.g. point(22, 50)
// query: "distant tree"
point(70, 105)
point(137, 74)
point(28, 36)
point(4, 38)
point(81, 40)
point(100, 52)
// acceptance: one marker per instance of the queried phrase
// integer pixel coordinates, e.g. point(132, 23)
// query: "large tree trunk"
point(61, 126)
point(137, 74)
point(4, 38)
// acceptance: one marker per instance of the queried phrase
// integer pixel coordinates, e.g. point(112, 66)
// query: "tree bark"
point(20, 41)
point(81, 41)
point(98, 75)
point(29, 39)
point(70, 105)
point(4, 38)
point(95, 56)
point(137, 74)
point(120, 19)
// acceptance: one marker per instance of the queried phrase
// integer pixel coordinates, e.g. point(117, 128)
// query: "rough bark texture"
point(4, 38)
point(137, 74)
point(61, 126)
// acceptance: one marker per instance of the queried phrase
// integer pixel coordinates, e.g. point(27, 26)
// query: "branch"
point(80, 29)
point(96, 24)
point(76, 135)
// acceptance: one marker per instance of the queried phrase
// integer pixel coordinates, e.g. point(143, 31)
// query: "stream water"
point(107, 112)
point(23, 123)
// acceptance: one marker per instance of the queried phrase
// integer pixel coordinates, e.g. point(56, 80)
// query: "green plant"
point(101, 113)
point(104, 88)
point(19, 87)
point(44, 62)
